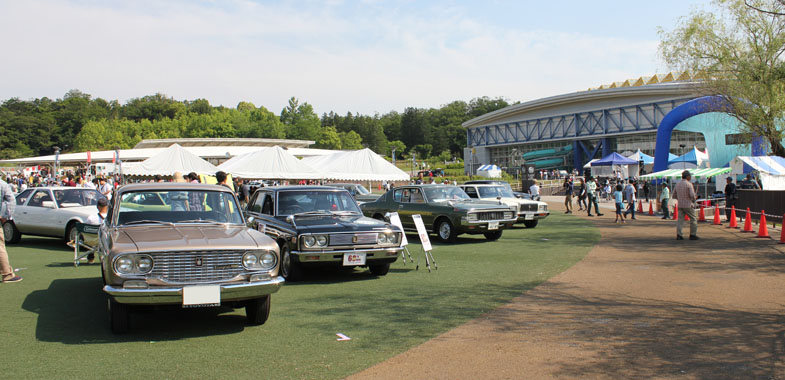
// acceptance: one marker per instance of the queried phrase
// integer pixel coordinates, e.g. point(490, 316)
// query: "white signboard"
point(426, 243)
point(395, 220)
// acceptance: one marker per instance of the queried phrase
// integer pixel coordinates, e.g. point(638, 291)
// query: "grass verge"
point(55, 323)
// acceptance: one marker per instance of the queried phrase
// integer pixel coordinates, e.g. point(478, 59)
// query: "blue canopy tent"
point(690, 160)
point(640, 156)
point(607, 165)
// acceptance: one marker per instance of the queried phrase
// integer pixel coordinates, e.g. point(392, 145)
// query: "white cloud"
point(376, 58)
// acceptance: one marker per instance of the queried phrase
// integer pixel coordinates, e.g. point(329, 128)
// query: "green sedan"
point(446, 210)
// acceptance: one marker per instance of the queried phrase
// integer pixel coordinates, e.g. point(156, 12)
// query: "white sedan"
point(50, 211)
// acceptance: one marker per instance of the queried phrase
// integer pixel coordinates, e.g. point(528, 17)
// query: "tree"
point(303, 123)
point(329, 139)
point(399, 147)
point(423, 150)
point(738, 51)
point(351, 140)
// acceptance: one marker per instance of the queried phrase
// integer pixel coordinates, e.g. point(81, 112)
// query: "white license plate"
point(529, 217)
point(350, 259)
point(493, 225)
point(202, 296)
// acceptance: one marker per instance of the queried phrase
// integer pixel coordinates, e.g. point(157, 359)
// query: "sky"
point(366, 56)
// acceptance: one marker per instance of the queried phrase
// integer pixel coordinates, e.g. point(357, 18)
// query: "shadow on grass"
point(648, 338)
point(44, 243)
point(74, 311)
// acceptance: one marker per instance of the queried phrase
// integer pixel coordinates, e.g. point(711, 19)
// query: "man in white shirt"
point(629, 193)
point(534, 190)
point(104, 188)
point(97, 219)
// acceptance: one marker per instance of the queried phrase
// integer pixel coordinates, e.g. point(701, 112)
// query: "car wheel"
point(445, 231)
point(530, 223)
point(258, 310)
point(118, 317)
point(379, 269)
point(493, 235)
point(11, 233)
point(70, 232)
point(290, 270)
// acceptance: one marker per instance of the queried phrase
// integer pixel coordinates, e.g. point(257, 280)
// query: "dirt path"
point(640, 305)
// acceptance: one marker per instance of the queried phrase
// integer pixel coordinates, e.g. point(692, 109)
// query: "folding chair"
point(86, 241)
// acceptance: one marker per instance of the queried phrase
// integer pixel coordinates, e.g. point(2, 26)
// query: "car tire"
point(530, 223)
point(290, 270)
point(445, 231)
point(11, 233)
point(258, 310)
point(119, 315)
point(70, 232)
point(379, 269)
point(493, 235)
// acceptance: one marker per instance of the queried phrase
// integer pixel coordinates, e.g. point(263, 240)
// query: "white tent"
point(170, 160)
point(269, 163)
point(691, 160)
point(489, 171)
point(357, 165)
point(771, 169)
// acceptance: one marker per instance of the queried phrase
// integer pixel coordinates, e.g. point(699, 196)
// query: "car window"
point(267, 203)
point(22, 197)
point(39, 197)
point(471, 192)
point(300, 201)
point(255, 204)
point(77, 197)
point(445, 193)
point(184, 206)
point(416, 196)
point(495, 191)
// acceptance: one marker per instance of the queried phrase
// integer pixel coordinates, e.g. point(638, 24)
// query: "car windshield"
point(76, 197)
point(298, 202)
point(178, 206)
point(361, 190)
point(494, 191)
point(444, 193)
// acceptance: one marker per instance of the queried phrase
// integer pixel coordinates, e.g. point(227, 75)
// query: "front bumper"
point(535, 216)
point(372, 255)
point(481, 226)
point(173, 295)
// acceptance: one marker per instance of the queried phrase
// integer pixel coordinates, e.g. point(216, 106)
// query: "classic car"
point(50, 211)
point(359, 192)
point(529, 212)
point(445, 209)
point(518, 194)
point(195, 251)
point(321, 226)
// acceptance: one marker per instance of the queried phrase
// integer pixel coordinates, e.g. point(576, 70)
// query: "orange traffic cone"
point(640, 206)
point(733, 223)
point(687, 217)
point(747, 222)
point(702, 215)
point(782, 233)
point(763, 231)
point(717, 215)
point(675, 213)
point(651, 210)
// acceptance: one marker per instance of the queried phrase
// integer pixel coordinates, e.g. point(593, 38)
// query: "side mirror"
point(48, 204)
point(250, 219)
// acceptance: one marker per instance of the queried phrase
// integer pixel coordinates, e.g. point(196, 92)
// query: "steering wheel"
point(295, 209)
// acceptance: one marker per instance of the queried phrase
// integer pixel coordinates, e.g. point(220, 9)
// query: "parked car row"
point(192, 245)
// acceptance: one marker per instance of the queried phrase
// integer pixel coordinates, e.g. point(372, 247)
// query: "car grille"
point(182, 267)
point(529, 207)
point(495, 215)
point(346, 239)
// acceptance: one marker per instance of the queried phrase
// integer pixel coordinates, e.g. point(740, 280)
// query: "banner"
point(395, 220)
point(88, 157)
point(426, 242)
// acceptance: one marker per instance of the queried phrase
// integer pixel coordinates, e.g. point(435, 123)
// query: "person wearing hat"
point(97, 219)
point(685, 197)
point(730, 196)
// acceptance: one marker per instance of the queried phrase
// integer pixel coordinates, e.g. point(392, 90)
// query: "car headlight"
point(392, 238)
point(381, 238)
point(250, 261)
point(267, 260)
point(321, 240)
point(144, 264)
point(543, 208)
point(508, 215)
point(471, 217)
point(124, 265)
point(309, 241)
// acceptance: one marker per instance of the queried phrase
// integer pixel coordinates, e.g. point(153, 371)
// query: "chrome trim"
point(387, 249)
point(174, 295)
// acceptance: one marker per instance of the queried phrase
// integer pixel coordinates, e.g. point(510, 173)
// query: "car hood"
point(514, 201)
point(335, 223)
point(159, 238)
point(475, 205)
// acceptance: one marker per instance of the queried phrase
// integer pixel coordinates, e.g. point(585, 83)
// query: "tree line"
point(79, 122)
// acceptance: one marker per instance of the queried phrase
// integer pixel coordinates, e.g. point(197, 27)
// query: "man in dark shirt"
point(730, 196)
point(749, 183)
point(568, 195)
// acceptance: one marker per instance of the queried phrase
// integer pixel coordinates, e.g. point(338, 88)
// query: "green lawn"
point(55, 324)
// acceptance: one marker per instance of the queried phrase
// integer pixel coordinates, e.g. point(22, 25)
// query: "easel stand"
point(406, 253)
point(428, 260)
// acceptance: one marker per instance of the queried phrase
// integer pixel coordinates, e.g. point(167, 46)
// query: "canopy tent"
point(588, 164)
point(690, 160)
point(606, 166)
point(640, 156)
point(170, 160)
point(771, 169)
point(269, 163)
point(614, 159)
point(696, 174)
point(358, 165)
point(489, 171)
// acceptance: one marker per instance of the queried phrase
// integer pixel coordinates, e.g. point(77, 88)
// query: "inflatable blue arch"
point(685, 111)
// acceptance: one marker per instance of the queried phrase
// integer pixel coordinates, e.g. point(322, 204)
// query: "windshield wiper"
point(344, 212)
point(317, 212)
point(148, 221)
point(200, 221)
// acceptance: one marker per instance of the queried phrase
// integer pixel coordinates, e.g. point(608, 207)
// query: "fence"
point(773, 201)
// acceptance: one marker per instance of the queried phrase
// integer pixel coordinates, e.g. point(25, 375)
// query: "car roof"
point(59, 188)
point(482, 184)
point(301, 188)
point(153, 186)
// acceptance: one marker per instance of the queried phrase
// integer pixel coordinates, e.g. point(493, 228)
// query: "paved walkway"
point(639, 305)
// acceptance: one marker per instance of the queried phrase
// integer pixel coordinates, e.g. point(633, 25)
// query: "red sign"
point(88, 156)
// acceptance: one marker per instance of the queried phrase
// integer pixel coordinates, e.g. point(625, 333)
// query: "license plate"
point(202, 296)
point(350, 259)
point(529, 217)
point(493, 225)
